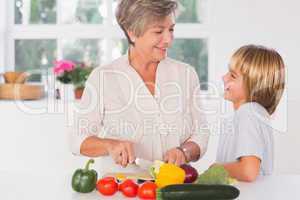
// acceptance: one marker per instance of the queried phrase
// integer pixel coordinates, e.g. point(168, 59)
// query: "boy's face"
point(234, 88)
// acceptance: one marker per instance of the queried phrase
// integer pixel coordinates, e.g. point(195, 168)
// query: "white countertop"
point(53, 186)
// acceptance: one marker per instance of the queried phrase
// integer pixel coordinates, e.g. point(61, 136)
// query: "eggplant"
point(191, 173)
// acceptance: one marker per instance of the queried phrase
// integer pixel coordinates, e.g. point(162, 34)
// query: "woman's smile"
point(162, 50)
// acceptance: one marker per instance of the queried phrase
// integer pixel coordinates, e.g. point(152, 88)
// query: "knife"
point(143, 164)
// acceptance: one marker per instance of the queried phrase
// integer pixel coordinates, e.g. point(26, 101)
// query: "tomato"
point(107, 186)
point(147, 190)
point(129, 188)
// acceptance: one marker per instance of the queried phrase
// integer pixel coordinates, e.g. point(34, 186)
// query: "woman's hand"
point(122, 152)
point(175, 156)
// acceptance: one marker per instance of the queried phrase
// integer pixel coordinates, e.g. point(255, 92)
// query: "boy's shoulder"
point(252, 111)
point(252, 108)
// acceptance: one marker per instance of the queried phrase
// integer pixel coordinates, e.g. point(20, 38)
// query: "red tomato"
point(147, 190)
point(129, 188)
point(107, 186)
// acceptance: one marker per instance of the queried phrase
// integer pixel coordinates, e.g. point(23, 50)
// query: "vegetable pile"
point(171, 183)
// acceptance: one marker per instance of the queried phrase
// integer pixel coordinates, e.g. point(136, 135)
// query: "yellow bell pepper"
point(120, 176)
point(169, 174)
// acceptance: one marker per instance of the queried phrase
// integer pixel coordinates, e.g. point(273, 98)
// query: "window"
point(41, 31)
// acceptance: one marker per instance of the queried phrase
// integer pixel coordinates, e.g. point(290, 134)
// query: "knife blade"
point(143, 164)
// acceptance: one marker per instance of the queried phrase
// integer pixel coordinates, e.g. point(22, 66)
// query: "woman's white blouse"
point(117, 104)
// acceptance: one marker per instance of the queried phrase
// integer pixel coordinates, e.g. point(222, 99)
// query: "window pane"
point(119, 48)
point(35, 11)
point(114, 7)
point(88, 51)
point(84, 11)
point(34, 56)
point(192, 11)
point(193, 52)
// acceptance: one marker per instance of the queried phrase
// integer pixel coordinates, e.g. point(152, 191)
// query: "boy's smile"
point(234, 87)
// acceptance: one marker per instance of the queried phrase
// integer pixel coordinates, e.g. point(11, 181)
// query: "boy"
point(254, 84)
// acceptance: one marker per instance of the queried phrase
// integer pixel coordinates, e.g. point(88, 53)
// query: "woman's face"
point(153, 44)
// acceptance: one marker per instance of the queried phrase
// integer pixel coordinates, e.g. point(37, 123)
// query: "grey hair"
point(136, 15)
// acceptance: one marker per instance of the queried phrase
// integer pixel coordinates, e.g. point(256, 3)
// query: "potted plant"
point(69, 72)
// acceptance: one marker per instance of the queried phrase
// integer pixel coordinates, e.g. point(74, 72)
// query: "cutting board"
point(144, 176)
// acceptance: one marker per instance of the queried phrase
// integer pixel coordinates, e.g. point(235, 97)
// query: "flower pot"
point(65, 92)
point(78, 93)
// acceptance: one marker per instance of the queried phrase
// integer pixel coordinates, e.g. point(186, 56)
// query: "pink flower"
point(58, 71)
point(63, 66)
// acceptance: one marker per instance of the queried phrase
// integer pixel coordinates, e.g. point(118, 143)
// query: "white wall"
point(274, 23)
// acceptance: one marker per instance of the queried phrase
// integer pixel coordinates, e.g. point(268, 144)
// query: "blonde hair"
point(136, 15)
point(263, 74)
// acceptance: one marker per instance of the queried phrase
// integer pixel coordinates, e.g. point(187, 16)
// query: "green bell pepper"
point(84, 180)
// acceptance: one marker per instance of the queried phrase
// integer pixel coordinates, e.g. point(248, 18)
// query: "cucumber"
point(197, 192)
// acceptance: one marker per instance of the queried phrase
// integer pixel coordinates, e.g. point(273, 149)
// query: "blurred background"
point(34, 33)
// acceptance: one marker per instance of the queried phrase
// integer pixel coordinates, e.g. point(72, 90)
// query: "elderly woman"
point(142, 105)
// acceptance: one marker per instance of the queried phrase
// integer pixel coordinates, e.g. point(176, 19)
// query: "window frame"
point(107, 31)
point(3, 35)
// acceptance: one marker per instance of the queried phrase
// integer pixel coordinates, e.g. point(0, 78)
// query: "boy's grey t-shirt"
point(248, 133)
